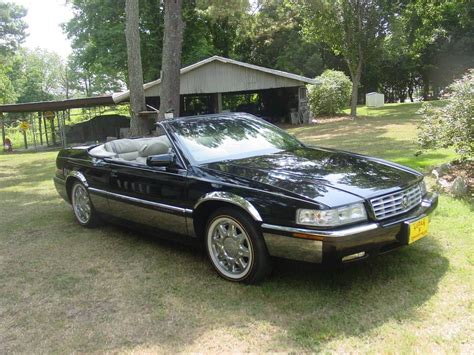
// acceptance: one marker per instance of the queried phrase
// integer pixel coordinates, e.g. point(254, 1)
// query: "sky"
point(44, 21)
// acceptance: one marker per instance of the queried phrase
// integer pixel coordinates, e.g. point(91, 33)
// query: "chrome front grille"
point(396, 203)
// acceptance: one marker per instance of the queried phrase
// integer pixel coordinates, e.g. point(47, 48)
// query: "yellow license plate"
point(418, 230)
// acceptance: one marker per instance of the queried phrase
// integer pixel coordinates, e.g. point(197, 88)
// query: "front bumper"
point(347, 244)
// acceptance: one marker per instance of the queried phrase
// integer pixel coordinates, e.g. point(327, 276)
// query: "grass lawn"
point(65, 288)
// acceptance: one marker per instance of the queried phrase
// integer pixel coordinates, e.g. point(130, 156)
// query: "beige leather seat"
point(132, 149)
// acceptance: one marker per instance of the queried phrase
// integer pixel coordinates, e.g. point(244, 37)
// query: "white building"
point(374, 99)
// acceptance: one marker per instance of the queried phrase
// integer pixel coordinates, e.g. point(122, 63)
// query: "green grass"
point(389, 132)
point(69, 289)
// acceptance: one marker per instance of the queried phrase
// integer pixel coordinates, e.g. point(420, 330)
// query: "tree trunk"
point(138, 126)
point(355, 76)
point(410, 92)
point(171, 61)
point(426, 87)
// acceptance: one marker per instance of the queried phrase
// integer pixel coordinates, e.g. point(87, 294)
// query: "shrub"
point(332, 95)
point(451, 125)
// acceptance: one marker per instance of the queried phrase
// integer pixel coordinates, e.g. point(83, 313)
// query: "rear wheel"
point(82, 206)
point(235, 247)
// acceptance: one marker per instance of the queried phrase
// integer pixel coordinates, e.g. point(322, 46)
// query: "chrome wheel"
point(81, 203)
point(229, 247)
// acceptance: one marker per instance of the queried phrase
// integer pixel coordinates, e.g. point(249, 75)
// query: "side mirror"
point(164, 160)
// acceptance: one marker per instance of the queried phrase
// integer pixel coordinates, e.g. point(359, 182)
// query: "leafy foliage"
point(277, 42)
point(404, 48)
point(451, 125)
point(437, 37)
point(12, 27)
point(351, 28)
point(7, 90)
point(332, 95)
point(41, 76)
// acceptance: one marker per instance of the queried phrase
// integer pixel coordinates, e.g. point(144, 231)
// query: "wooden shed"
point(219, 84)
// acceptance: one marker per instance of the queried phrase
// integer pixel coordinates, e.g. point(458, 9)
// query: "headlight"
point(335, 217)
point(423, 188)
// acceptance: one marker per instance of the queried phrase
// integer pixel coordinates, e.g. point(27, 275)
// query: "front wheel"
point(235, 247)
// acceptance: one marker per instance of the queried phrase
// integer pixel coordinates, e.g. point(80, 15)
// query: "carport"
point(219, 84)
point(45, 121)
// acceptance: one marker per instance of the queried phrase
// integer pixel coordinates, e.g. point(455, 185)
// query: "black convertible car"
point(249, 191)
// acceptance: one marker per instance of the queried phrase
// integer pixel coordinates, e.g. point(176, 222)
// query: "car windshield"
point(211, 139)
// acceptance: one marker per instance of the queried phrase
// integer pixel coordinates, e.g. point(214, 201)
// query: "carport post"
point(25, 139)
point(53, 129)
point(3, 129)
point(45, 129)
point(63, 128)
point(33, 127)
point(219, 102)
point(40, 129)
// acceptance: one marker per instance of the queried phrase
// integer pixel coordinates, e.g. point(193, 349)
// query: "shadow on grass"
point(119, 289)
point(311, 305)
point(68, 288)
point(28, 175)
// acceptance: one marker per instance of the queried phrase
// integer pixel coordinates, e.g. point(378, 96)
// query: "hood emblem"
point(405, 201)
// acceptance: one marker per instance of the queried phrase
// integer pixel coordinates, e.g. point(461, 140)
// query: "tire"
point(235, 247)
point(82, 206)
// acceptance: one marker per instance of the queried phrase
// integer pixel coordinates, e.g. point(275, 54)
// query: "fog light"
point(353, 256)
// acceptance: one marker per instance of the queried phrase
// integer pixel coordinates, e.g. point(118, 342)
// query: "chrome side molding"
point(230, 198)
point(140, 201)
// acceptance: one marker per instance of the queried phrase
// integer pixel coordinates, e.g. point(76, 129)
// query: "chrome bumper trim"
point(294, 248)
point(324, 233)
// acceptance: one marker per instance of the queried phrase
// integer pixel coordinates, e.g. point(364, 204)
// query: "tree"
point(92, 81)
point(332, 95)
point(37, 75)
point(277, 42)
point(171, 60)
point(12, 27)
point(451, 125)
point(138, 125)
point(97, 33)
point(351, 28)
point(440, 40)
point(7, 90)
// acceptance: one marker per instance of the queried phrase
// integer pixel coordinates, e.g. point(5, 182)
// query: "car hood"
point(314, 172)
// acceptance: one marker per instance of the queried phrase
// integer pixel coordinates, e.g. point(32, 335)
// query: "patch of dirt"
point(331, 119)
point(318, 121)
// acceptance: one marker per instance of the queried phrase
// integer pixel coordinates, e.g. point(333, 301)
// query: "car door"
point(151, 196)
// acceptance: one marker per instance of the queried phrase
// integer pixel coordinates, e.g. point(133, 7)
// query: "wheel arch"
point(211, 201)
point(71, 178)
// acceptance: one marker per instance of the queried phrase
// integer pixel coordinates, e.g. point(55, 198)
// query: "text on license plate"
point(418, 230)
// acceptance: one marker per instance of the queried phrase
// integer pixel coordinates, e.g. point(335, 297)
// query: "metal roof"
point(58, 105)
point(124, 96)
point(119, 97)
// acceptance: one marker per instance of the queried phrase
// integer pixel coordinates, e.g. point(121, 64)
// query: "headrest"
point(153, 149)
point(100, 152)
point(121, 146)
